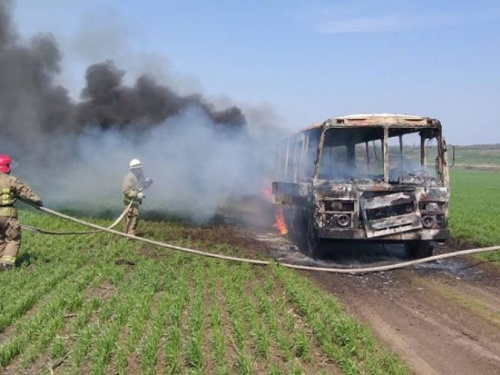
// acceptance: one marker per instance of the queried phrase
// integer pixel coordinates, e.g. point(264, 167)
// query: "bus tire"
point(418, 249)
point(314, 246)
point(292, 222)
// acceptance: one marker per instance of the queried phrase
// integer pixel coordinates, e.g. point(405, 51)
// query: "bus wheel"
point(292, 223)
point(314, 246)
point(418, 249)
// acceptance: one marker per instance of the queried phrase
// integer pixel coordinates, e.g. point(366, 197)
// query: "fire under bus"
point(373, 178)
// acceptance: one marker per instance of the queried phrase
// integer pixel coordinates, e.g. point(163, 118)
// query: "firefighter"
point(10, 229)
point(133, 188)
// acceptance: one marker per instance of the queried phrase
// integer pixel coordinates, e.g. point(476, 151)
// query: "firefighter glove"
point(38, 202)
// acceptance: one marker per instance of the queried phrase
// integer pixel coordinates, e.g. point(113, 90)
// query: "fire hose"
point(43, 231)
point(263, 262)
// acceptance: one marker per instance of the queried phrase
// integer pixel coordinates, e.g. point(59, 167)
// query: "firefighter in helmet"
point(133, 188)
point(10, 229)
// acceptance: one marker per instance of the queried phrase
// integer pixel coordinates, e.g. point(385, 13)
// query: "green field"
point(476, 155)
point(475, 208)
point(100, 304)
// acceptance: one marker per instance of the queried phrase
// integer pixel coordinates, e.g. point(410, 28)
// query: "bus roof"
point(377, 119)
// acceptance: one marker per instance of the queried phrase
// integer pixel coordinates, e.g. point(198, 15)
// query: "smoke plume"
point(30, 103)
point(78, 151)
point(108, 102)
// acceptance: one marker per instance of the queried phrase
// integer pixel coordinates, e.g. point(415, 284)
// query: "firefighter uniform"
point(10, 229)
point(131, 187)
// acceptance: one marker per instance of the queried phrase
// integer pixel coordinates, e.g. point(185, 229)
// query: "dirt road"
point(440, 318)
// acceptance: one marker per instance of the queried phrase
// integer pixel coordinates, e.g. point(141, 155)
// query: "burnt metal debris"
point(376, 177)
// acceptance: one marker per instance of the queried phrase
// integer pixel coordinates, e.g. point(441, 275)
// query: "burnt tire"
point(288, 217)
point(292, 223)
point(419, 249)
point(314, 247)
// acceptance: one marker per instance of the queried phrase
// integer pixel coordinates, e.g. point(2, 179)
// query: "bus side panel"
point(295, 193)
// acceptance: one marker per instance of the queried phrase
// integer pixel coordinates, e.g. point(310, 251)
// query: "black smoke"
point(33, 105)
point(75, 152)
point(30, 102)
point(106, 101)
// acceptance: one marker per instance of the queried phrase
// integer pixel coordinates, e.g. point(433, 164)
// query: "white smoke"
point(195, 167)
point(75, 152)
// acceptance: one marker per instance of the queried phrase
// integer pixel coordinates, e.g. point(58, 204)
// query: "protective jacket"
point(10, 228)
point(132, 186)
point(12, 188)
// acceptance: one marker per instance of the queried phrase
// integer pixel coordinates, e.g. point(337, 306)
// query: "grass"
point(339, 335)
point(474, 209)
point(477, 155)
point(70, 300)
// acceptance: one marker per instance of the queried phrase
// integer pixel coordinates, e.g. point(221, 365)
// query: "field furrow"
point(36, 332)
point(108, 305)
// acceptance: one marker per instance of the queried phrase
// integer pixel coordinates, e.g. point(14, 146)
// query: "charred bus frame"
point(378, 177)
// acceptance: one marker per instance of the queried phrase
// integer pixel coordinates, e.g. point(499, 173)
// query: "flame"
point(280, 221)
point(267, 193)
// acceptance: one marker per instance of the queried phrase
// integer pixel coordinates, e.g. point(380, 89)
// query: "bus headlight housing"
point(343, 220)
point(428, 221)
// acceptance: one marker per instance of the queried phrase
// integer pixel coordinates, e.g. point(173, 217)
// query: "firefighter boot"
point(6, 267)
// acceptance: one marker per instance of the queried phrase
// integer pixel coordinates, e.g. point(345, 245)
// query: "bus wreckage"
point(377, 177)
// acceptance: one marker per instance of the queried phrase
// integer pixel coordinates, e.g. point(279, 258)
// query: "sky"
point(297, 61)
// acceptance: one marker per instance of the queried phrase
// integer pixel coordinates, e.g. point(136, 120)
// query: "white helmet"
point(135, 164)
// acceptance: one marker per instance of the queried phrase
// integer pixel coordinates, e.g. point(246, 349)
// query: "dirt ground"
point(441, 317)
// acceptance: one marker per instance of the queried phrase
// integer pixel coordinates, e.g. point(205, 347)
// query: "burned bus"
point(377, 177)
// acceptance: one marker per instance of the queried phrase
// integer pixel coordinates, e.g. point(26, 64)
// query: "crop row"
point(168, 312)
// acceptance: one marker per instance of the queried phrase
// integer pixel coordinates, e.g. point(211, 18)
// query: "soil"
point(432, 318)
point(441, 317)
